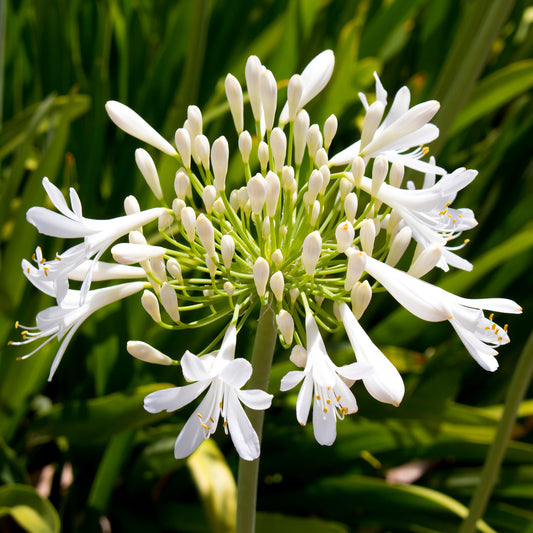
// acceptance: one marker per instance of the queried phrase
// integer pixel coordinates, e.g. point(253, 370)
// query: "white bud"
point(394, 220)
point(315, 212)
point(379, 173)
point(360, 296)
point(131, 205)
point(245, 146)
point(234, 200)
point(282, 231)
point(235, 100)
point(181, 184)
point(253, 73)
point(285, 326)
point(314, 140)
point(321, 157)
point(277, 257)
point(229, 288)
point(194, 118)
point(266, 228)
point(272, 192)
point(399, 244)
point(129, 254)
point(358, 170)
point(345, 235)
point(354, 268)
point(269, 97)
point(350, 207)
point(315, 183)
point(426, 261)
point(367, 233)
point(277, 284)
point(261, 271)
point(164, 221)
point(188, 220)
point(136, 237)
point(147, 167)
point(219, 162)
point(262, 155)
point(311, 248)
point(206, 234)
point(330, 129)
point(299, 356)
point(371, 122)
point(177, 206)
point(227, 249)
point(201, 146)
point(211, 265)
point(157, 267)
point(294, 95)
point(396, 174)
point(183, 143)
point(337, 311)
point(301, 127)
point(219, 207)
point(209, 196)
point(287, 178)
point(208, 293)
point(151, 305)
point(294, 293)
point(144, 352)
point(174, 269)
point(243, 196)
point(169, 299)
point(345, 187)
point(326, 176)
point(278, 145)
point(257, 193)
point(319, 300)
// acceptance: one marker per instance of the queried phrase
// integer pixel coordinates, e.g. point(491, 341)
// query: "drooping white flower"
point(324, 386)
point(225, 376)
point(385, 383)
point(402, 129)
point(427, 212)
point(62, 321)
point(480, 335)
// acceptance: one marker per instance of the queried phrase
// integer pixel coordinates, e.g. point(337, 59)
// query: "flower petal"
point(303, 403)
point(324, 425)
point(291, 379)
point(170, 400)
point(255, 399)
point(241, 431)
point(236, 373)
point(193, 367)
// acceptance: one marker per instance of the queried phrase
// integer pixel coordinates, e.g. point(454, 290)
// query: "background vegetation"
point(84, 440)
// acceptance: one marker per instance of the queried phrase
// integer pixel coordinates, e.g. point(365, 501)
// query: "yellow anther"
point(220, 405)
point(42, 261)
point(454, 221)
point(449, 216)
point(28, 270)
point(493, 327)
point(459, 215)
point(329, 388)
point(338, 397)
point(491, 316)
point(425, 150)
point(318, 397)
point(18, 359)
point(33, 257)
point(467, 241)
point(205, 426)
point(328, 401)
point(505, 327)
point(325, 409)
point(499, 339)
point(58, 258)
point(225, 423)
point(497, 331)
point(443, 212)
point(487, 327)
point(17, 324)
point(9, 343)
point(211, 420)
point(446, 204)
point(199, 415)
point(354, 411)
point(345, 226)
point(25, 332)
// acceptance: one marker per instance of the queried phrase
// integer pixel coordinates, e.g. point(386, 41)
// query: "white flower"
point(332, 397)
point(402, 129)
point(97, 236)
point(225, 376)
point(427, 212)
point(479, 334)
point(63, 320)
point(385, 383)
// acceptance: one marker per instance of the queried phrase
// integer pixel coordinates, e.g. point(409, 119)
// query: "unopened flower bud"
point(278, 145)
point(277, 257)
point(206, 234)
point(367, 233)
point(219, 162)
point(129, 254)
point(209, 196)
point(235, 99)
point(299, 356)
point(131, 205)
point(277, 284)
point(315, 183)
point(315, 212)
point(229, 288)
point(144, 352)
point(350, 207)
point(245, 146)
point(426, 261)
point(261, 271)
point(201, 145)
point(321, 157)
point(345, 187)
point(330, 129)
point(183, 143)
point(371, 122)
point(285, 326)
point(169, 299)
point(394, 219)
point(269, 97)
point(272, 191)
point(319, 299)
point(181, 184)
point(136, 237)
point(399, 244)
point(147, 167)
point(294, 293)
point(177, 206)
point(354, 268)
point(345, 235)
point(326, 176)
point(287, 178)
point(294, 95)
point(379, 173)
point(174, 269)
point(314, 140)
point(227, 249)
point(164, 221)
point(262, 155)
point(157, 267)
point(311, 248)
point(301, 127)
point(257, 193)
point(265, 230)
point(396, 174)
point(188, 220)
point(243, 196)
point(360, 296)
point(358, 170)
point(151, 305)
point(211, 265)
point(253, 73)
point(219, 207)
point(234, 200)
point(194, 118)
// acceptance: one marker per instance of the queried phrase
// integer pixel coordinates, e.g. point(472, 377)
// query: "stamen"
point(328, 401)
point(205, 426)
point(318, 397)
point(220, 405)
point(491, 316)
point(500, 339)
point(211, 420)
point(329, 388)
point(28, 270)
point(16, 324)
point(338, 398)
point(199, 415)
point(325, 409)
point(505, 327)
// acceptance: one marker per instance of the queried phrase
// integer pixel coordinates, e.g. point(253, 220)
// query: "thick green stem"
point(517, 390)
point(264, 344)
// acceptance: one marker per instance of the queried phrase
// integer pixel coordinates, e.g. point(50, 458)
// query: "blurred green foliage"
point(60, 61)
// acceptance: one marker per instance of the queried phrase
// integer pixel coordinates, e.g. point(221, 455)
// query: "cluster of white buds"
point(302, 231)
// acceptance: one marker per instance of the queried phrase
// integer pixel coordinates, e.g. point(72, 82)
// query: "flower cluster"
point(291, 227)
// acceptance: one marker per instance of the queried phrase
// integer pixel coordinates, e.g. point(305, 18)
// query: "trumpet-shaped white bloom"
point(385, 383)
point(402, 129)
point(97, 236)
point(427, 212)
point(479, 334)
point(324, 385)
point(62, 321)
point(225, 376)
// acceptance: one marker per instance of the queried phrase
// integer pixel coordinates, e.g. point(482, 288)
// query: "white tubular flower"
point(245, 146)
point(257, 191)
point(219, 162)
point(355, 267)
point(103, 271)
point(313, 78)
point(402, 130)
point(201, 146)
point(350, 207)
point(332, 397)
point(147, 167)
point(345, 235)
point(144, 352)
point(206, 234)
point(360, 297)
point(227, 249)
point(330, 129)
point(427, 212)
point(195, 121)
point(235, 99)
point(253, 75)
point(169, 299)
point(311, 249)
point(183, 144)
point(367, 233)
point(151, 305)
point(174, 269)
point(188, 219)
point(425, 262)
point(278, 145)
point(182, 184)
point(209, 195)
point(133, 124)
point(277, 284)
point(269, 96)
point(294, 95)
point(131, 205)
point(301, 127)
point(285, 325)
point(263, 155)
point(431, 303)
point(97, 235)
point(261, 271)
point(129, 254)
point(62, 321)
point(384, 383)
point(225, 376)
point(314, 140)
